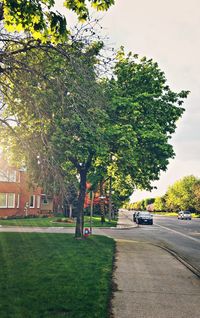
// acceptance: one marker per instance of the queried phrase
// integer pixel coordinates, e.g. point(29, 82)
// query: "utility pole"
point(110, 199)
point(91, 210)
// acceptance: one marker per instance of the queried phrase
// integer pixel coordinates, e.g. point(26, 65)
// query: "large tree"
point(59, 110)
point(143, 112)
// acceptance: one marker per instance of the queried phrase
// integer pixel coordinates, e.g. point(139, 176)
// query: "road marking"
point(195, 233)
point(149, 228)
point(187, 236)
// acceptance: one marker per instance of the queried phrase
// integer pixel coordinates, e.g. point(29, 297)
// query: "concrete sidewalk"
point(125, 219)
point(151, 283)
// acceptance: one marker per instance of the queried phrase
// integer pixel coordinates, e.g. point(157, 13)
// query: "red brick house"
point(17, 198)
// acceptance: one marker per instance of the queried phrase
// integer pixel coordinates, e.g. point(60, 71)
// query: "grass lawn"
point(54, 275)
point(194, 215)
point(49, 222)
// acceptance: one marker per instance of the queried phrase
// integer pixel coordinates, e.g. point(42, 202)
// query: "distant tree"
point(137, 206)
point(181, 196)
point(197, 196)
point(159, 204)
point(149, 201)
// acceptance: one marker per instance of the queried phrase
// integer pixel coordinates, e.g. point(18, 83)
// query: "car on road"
point(135, 216)
point(144, 218)
point(184, 215)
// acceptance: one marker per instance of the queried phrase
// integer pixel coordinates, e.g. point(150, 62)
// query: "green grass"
point(54, 275)
point(194, 215)
point(51, 222)
point(166, 213)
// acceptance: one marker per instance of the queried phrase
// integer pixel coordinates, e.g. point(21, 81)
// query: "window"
point(10, 200)
point(18, 198)
point(32, 201)
point(38, 201)
point(3, 175)
point(12, 174)
point(7, 200)
point(8, 175)
point(3, 200)
point(45, 200)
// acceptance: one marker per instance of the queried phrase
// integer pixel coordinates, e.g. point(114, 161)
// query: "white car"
point(184, 215)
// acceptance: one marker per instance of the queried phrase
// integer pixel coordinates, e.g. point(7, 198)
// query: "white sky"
point(168, 32)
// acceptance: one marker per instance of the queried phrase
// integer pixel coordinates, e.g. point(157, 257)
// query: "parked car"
point(184, 215)
point(135, 216)
point(144, 218)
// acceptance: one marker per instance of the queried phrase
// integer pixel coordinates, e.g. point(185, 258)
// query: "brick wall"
point(23, 193)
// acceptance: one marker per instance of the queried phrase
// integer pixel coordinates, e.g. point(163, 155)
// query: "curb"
point(126, 228)
point(192, 268)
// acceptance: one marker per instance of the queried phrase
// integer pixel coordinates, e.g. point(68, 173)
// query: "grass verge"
point(194, 215)
point(54, 275)
point(51, 222)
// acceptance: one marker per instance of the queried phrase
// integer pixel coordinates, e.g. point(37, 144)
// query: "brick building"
point(17, 198)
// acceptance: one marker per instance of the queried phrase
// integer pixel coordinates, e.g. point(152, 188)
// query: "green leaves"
point(145, 110)
point(38, 18)
point(183, 194)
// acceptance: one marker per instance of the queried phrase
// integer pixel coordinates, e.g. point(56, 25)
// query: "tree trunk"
point(102, 207)
point(70, 211)
point(91, 210)
point(80, 205)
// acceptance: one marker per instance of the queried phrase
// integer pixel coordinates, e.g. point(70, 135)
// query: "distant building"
point(150, 207)
point(17, 197)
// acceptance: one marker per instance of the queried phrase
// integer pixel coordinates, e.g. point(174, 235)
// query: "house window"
point(12, 176)
point(45, 200)
point(8, 175)
point(18, 201)
point(3, 200)
point(11, 200)
point(38, 201)
point(32, 201)
point(3, 175)
point(7, 200)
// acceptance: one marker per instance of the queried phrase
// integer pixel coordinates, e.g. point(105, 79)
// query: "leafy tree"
point(197, 196)
point(159, 204)
point(137, 206)
point(59, 114)
point(39, 18)
point(181, 196)
point(149, 201)
point(142, 117)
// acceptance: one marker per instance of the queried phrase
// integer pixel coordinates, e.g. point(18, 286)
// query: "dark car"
point(135, 216)
point(144, 218)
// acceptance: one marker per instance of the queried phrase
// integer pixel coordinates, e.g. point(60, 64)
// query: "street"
point(180, 236)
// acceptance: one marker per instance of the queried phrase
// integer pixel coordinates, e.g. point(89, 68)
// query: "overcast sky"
point(168, 32)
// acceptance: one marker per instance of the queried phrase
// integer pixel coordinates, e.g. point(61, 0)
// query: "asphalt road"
point(180, 236)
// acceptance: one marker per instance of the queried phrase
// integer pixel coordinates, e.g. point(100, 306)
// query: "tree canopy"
point(182, 194)
point(143, 112)
point(40, 19)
